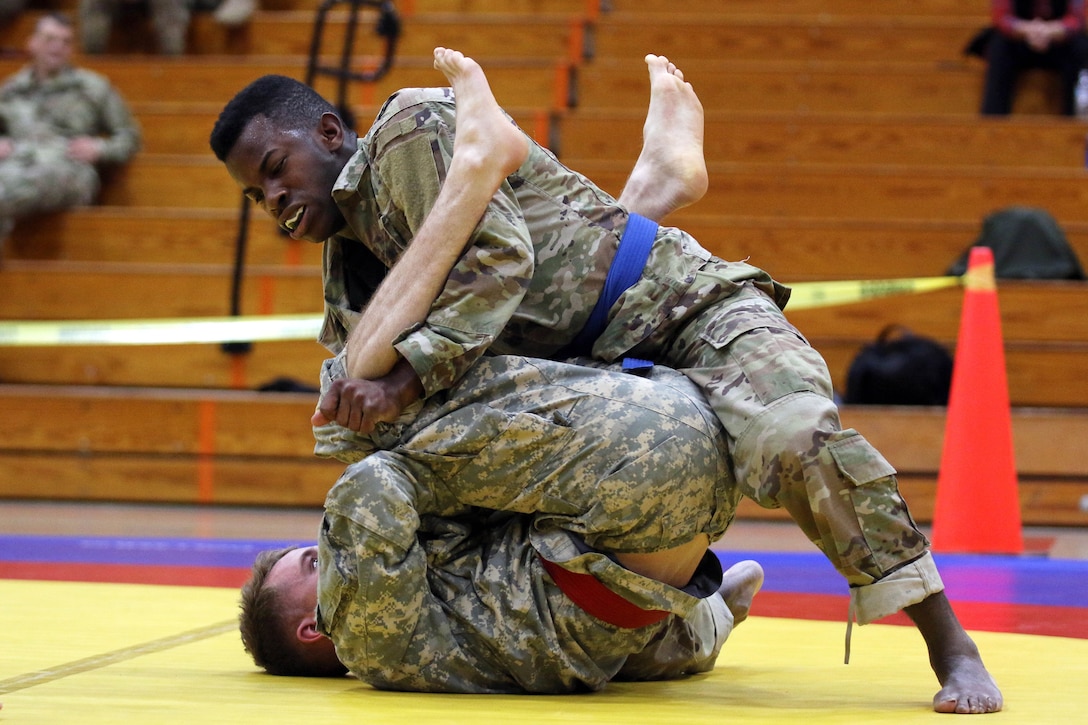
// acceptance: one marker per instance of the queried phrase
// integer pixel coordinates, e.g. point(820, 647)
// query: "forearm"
point(121, 140)
point(405, 296)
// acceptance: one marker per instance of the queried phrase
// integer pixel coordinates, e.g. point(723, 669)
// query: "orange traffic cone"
point(978, 507)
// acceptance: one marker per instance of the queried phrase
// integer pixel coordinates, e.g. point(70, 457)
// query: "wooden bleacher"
point(843, 142)
point(203, 448)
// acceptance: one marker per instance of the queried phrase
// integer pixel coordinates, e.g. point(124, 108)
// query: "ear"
point(331, 130)
point(307, 632)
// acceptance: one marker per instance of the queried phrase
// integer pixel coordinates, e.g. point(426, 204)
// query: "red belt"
point(596, 599)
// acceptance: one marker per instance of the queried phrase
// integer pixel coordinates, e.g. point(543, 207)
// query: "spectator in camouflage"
point(58, 125)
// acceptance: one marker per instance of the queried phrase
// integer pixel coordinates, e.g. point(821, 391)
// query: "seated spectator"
point(1033, 34)
point(58, 124)
point(169, 20)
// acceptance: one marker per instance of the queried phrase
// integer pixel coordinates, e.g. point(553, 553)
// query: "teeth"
point(293, 221)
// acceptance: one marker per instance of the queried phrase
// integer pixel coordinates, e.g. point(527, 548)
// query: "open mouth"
point(292, 223)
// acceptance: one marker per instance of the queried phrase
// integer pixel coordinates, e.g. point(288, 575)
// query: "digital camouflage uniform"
point(422, 590)
point(528, 282)
point(169, 21)
point(40, 118)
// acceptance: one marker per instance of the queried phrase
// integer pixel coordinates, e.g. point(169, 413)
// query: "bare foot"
point(670, 172)
point(487, 140)
point(966, 685)
point(967, 688)
point(740, 583)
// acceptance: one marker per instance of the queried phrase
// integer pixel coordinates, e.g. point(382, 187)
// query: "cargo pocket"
point(882, 516)
point(859, 462)
point(775, 361)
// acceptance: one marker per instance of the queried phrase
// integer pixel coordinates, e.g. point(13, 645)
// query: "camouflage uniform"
point(40, 117)
point(528, 283)
point(422, 590)
point(169, 20)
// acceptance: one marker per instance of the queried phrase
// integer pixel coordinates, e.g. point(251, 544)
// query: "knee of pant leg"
point(771, 454)
point(835, 484)
point(875, 533)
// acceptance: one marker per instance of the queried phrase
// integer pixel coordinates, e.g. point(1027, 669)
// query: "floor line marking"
point(41, 677)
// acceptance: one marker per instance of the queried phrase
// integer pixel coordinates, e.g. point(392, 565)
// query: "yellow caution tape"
point(160, 332)
point(806, 295)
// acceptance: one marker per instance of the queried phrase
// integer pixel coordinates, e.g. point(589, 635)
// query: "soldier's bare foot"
point(487, 141)
point(740, 583)
point(671, 171)
point(966, 686)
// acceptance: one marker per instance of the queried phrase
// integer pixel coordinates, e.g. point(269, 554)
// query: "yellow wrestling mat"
point(116, 653)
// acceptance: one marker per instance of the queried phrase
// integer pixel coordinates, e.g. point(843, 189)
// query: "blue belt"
point(625, 270)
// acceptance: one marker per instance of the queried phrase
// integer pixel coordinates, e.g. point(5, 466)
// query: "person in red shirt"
point(1033, 34)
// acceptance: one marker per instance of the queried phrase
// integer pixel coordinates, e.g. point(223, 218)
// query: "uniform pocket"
point(859, 462)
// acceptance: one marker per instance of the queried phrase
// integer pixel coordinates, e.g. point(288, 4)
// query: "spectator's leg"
point(1002, 69)
point(39, 188)
point(95, 19)
point(1069, 59)
point(170, 18)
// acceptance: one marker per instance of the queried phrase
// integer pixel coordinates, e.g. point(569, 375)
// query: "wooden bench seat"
point(800, 249)
point(161, 446)
point(615, 134)
point(520, 82)
point(166, 366)
point(793, 8)
point(842, 191)
point(153, 235)
point(1038, 374)
point(1052, 482)
point(1041, 312)
point(794, 249)
point(410, 8)
point(1045, 324)
point(478, 35)
point(687, 36)
point(800, 86)
point(203, 446)
point(804, 190)
point(98, 291)
point(184, 128)
point(290, 32)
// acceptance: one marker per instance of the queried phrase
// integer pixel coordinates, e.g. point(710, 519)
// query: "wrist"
point(407, 383)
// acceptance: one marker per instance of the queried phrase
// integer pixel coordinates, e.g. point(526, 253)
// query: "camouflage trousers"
point(169, 19)
point(36, 182)
point(628, 464)
point(772, 392)
point(622, 463)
